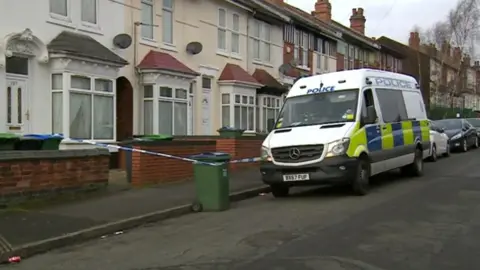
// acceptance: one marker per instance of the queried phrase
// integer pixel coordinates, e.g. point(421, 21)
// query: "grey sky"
point(392, 18)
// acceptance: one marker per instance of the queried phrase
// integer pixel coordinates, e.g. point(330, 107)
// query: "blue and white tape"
point(114, 146)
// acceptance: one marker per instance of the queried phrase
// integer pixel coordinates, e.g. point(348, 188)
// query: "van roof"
point(352, 79)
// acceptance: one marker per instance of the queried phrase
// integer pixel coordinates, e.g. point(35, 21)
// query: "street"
point(426, 223)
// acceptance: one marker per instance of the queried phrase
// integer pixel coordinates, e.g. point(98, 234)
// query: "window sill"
point(169, 47)
point(228, 55)
point(149, 42)
point(260, 63)
point(91, 28)
point(304, 68)
point(61, 22)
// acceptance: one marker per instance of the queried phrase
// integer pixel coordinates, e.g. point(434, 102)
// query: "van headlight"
point(457, 136)
point(337, 148)
point(265, 154)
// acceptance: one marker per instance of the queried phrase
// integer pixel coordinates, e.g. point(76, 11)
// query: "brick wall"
point(150, 169)
point(340, 62)
point(27, 174)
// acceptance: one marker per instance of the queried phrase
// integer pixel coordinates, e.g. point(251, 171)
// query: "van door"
point(373, 132)
point(394, 125)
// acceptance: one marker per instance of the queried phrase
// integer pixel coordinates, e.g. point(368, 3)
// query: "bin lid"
point(9, 136)
point(211, 156)
point(43, 136)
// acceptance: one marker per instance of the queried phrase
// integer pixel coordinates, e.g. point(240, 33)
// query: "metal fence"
point(441, 112)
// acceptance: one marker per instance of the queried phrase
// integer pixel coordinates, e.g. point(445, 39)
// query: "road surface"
point(428, 223)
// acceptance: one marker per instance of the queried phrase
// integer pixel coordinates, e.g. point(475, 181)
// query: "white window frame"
point(157, 97)
point(222, 28)
point(56, 16)
point(351, 57)
point(149, 25)
point(264, 41)
point(166, 9)
point(266, 103)
point(301, 44)
point(97, 17)
point(66, 92)
point(228, 29)
point(229, 100)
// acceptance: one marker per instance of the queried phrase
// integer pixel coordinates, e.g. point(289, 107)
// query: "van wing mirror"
point(371, 116)
point(270, 124)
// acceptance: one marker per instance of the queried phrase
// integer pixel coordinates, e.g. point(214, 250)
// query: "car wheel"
point(361, 180)
point(475, 144)
point(464, 145)
point(414, 169)
point(280, 191)
point(433, 156)
point(447, 151)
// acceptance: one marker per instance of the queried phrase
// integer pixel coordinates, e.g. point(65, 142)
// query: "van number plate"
point(296, 177)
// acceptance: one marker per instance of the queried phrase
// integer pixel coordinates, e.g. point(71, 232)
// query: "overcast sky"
point(392, 18)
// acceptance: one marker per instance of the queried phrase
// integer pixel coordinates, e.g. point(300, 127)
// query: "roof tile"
point(164, 61)
point(233, 72)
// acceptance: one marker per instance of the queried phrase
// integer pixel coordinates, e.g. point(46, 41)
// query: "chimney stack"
point(323, 10)
point(414, 40)
point(357, 20)
point(457, 53)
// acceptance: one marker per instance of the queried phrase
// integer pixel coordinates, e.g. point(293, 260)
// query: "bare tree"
point(459, 29)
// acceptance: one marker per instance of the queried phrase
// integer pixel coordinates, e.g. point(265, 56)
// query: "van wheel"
point(280, 191)
point(361, 180)
point(433, 156)
point(416, 168)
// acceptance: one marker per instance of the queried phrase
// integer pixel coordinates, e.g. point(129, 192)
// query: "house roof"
point(164, 61)
point(354, 34)
point(266, 8)
point(307, 19)
point(393, 47)
point(235, 73)
point(265, 78)
point(83, 46)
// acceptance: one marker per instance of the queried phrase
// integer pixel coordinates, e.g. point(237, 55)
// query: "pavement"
point(34, 231)
point(427, 223)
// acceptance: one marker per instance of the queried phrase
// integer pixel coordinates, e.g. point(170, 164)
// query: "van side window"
point(367, 101)
point(392, 105)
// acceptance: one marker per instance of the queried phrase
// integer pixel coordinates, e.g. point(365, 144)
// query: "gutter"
point(272, 10)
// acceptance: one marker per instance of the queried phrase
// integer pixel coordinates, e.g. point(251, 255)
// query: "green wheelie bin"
point(211, 178)
point(39, 142)
point(8, 141)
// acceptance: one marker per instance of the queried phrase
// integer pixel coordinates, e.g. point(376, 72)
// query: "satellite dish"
point(284, 69)
point(122, 41)
point(194, 47)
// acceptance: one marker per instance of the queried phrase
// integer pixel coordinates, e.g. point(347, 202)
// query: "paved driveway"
point(430, 223)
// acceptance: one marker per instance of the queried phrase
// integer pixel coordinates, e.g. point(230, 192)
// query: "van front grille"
point(296, 154)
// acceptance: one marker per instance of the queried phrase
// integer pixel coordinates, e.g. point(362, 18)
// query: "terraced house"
point(200, 65)
point(452, 76)
point(333, 46)
point(58, 68)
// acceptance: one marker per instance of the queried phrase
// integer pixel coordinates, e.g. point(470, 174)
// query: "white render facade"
point(45, 91)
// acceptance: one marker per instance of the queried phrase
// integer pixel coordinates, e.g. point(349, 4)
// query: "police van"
point(343, 127)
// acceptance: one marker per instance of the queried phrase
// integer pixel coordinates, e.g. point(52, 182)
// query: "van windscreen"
point(321, 108)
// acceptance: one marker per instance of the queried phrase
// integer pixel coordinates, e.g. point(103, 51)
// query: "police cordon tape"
point(244, 160)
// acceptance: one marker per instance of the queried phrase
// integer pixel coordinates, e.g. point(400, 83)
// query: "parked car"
point(440, 142)
point(463, 136)
point(475, 122)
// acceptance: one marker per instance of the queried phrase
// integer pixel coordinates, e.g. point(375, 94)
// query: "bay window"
point(165, 110)
point(261, 40)
point(238, 110)
point(83, 107)
point(268, 108)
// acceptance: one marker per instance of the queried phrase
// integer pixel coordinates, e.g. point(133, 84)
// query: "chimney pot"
point(357, 20)
point(323, 10)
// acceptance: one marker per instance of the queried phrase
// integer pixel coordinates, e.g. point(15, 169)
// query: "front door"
point(18, 114)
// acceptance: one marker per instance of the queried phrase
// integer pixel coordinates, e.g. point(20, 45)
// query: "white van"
point(343, 127)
